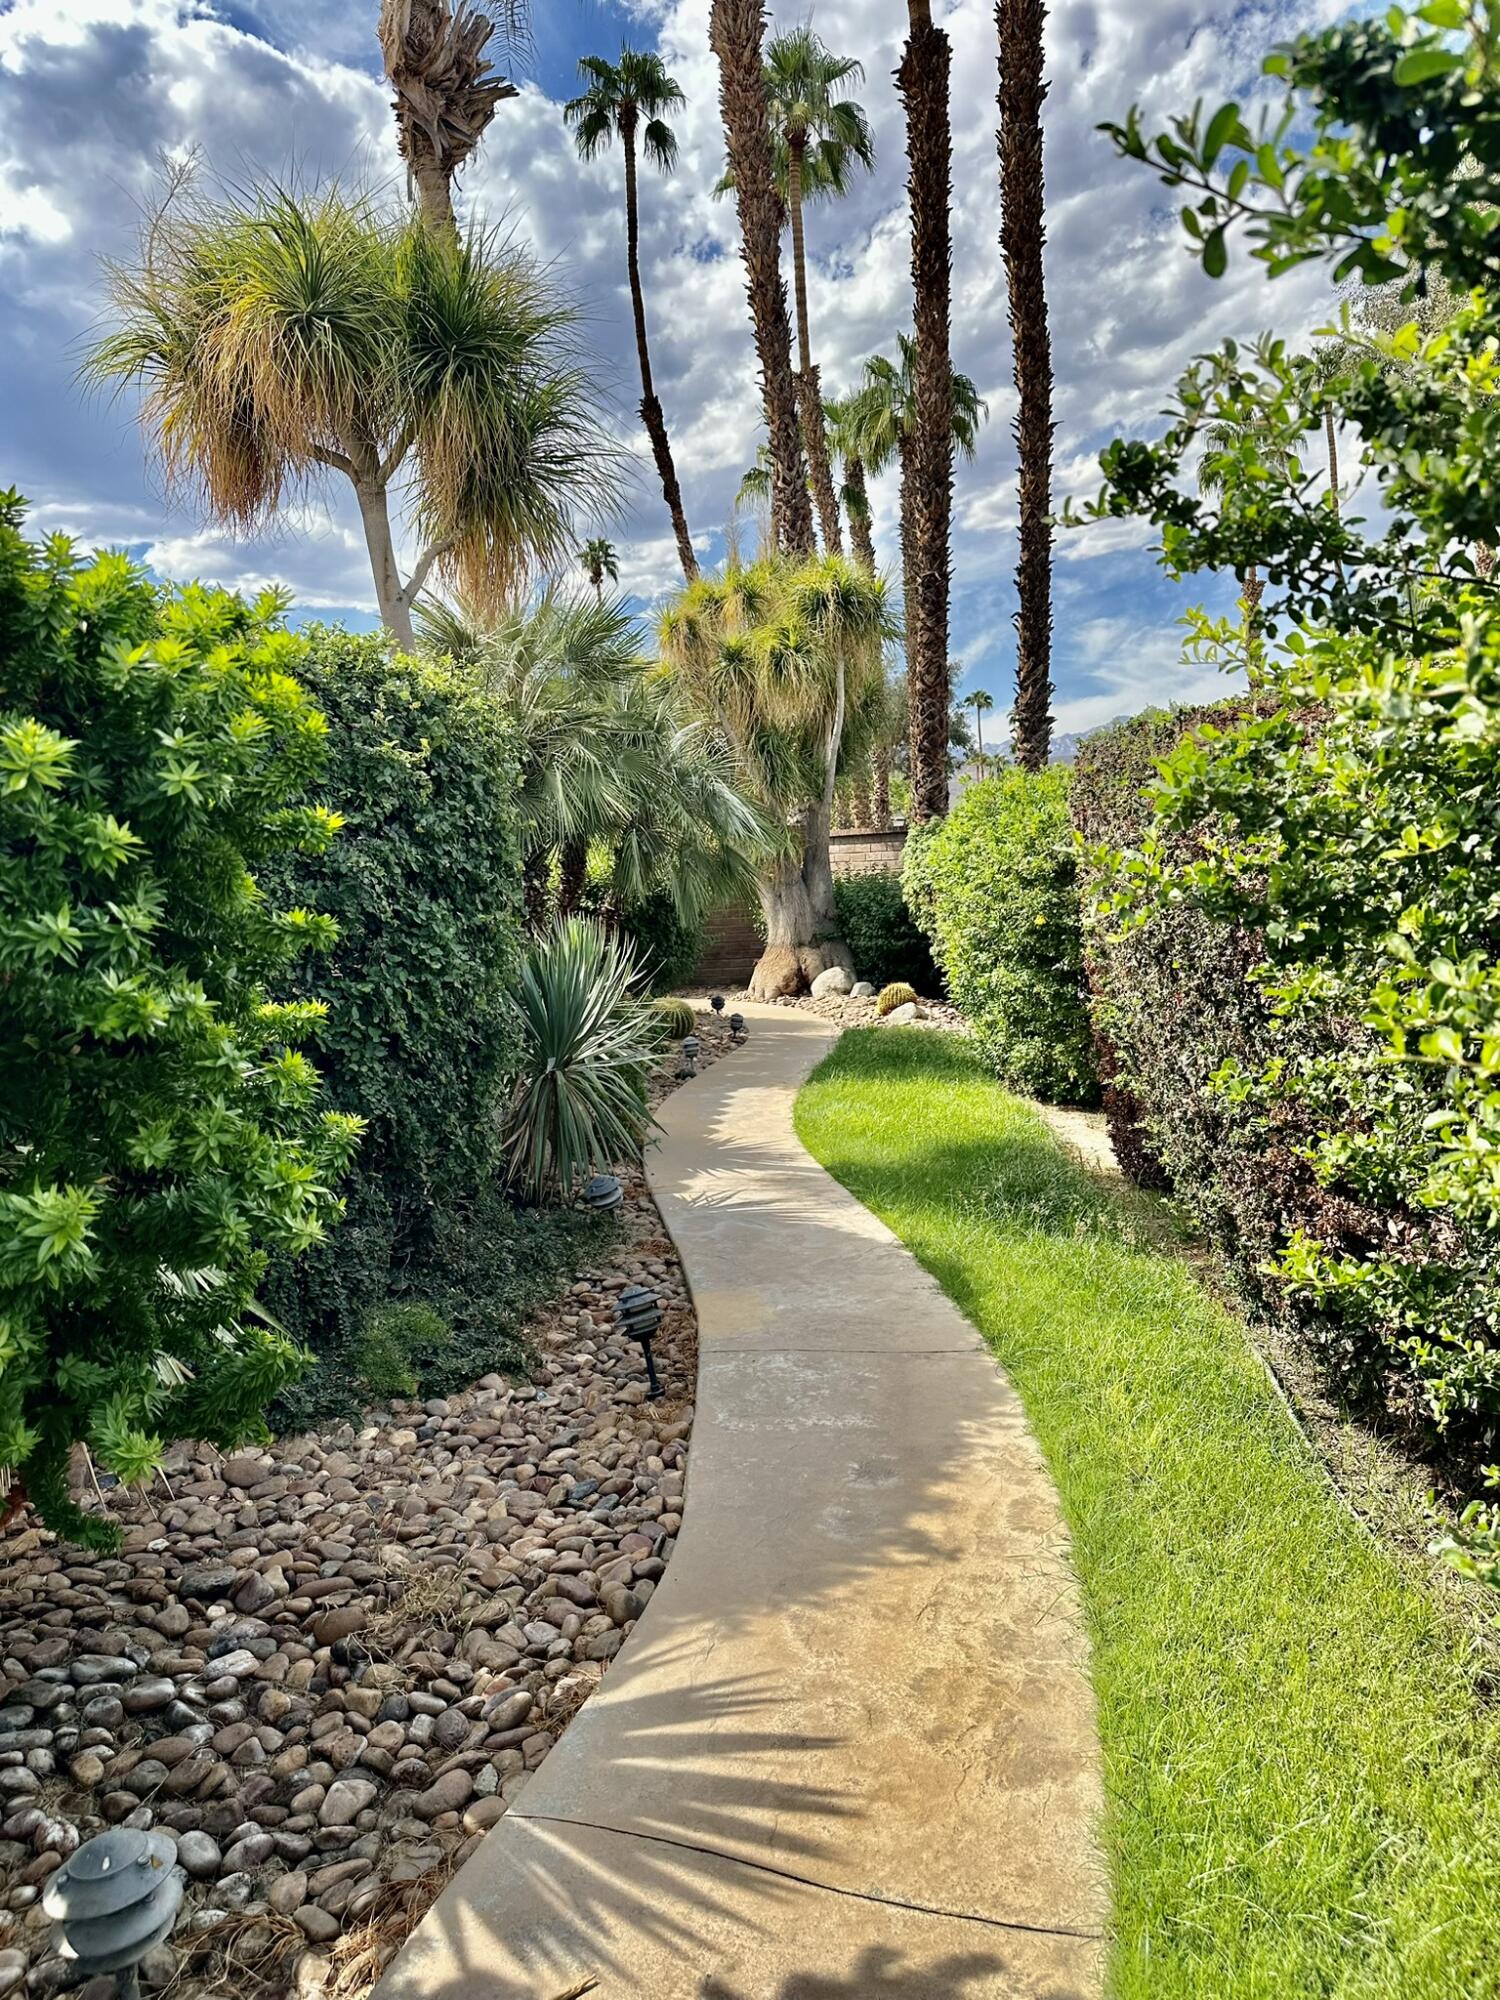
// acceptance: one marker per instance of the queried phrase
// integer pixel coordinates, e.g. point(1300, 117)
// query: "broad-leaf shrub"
point(1361, 854)
point(996, 884)
point(161, 1128)
point(879, 931)
point(421, 1035)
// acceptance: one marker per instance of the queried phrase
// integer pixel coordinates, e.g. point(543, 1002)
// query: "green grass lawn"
point(1303, 1774)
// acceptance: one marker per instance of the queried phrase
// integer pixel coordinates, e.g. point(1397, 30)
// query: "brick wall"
point(731, 939)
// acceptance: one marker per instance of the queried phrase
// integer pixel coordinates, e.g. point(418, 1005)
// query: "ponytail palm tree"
point(819, 137)
point(784, 662)
point(735, 29)
point(629, 100)
point(279, 340)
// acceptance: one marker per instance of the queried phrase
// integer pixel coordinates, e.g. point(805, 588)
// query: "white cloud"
point(292, 86)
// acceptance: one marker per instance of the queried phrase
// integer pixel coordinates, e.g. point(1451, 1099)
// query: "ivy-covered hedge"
point(995, 886)
point(881, 933)
point(425, 886)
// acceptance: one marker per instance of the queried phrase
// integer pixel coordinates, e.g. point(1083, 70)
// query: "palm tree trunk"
point(1023, 236)
point(572, 874)
point(860, 532)
point(434, 188)
point(809, 387)
point(375, 517)
point(927, 487)
point(882, 789)
point(979, 741)
point(652, 415)
point(736, 29)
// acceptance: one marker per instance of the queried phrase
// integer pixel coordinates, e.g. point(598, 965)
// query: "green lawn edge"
point(1302, 1767)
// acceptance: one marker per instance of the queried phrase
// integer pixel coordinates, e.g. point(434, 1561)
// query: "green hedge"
point(880, 931)
point(425, 886)
point(995, 886)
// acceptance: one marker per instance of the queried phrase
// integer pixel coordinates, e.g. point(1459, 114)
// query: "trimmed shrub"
point(996, 881)
point(897, 994)
point(425, 887)
point(160, 1129)
point(879, 931)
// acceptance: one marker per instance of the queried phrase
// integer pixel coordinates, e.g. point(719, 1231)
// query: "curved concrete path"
point(848, 1753)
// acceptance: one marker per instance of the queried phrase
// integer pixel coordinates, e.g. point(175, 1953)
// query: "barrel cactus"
point(676, 1016)
point(898, 994)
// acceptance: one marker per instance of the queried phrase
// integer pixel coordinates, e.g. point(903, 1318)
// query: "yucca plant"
point(279, 337)
point(589, 1046)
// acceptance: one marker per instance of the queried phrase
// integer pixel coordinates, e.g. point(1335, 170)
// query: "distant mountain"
point(1065, 744)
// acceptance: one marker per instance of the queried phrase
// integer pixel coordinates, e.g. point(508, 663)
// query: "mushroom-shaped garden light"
point(115, 1898)
point(638, 1313)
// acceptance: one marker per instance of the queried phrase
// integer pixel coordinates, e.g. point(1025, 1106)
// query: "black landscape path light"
point(603, 1193)
point(737, 1028)
point(716, 1001)
point(690, 1047)
point(114, 1898)
point(638, 1313)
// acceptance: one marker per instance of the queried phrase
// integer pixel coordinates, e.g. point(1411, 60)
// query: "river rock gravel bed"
point(326, 1668)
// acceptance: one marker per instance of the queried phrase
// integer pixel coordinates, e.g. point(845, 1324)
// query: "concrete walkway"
point(848, 1753)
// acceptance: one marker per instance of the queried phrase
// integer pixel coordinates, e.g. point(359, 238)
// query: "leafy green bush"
point(160, 1130)
point(425, 886)
point(665, 946)
point(878, 929)
point(1345, 835)
point(394, 1346)
point(588, 1047)
point(997, 881)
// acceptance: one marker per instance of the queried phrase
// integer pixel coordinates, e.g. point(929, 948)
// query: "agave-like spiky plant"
point(588, 1047)
point(281, 337)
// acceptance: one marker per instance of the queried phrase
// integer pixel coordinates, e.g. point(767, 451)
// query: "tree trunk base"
point(784, 970)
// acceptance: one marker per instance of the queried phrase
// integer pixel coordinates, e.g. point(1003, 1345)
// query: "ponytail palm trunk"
point(927, 479)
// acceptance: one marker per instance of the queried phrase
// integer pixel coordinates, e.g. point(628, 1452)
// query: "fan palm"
point(599, 561)
point(436, 55)
point(606, 757)
point(1023, 236)
point(279, 339)
point(784, 661)
point(927, 473)
point(629, 100)
point(735, 31)
point(819, 136)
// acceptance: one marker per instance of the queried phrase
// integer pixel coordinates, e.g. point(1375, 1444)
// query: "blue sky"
point(93, 92)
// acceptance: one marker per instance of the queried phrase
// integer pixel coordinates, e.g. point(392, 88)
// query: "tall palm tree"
point(279, 339)
point(736, 28)
point(599, 561)
point(819, 136)
point(881, 425)
point(784, 660)
point(927, 509)
point(1023, 236)
point(437, 60)
point(981, 701)
point(629, 100)
point(839, 415)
